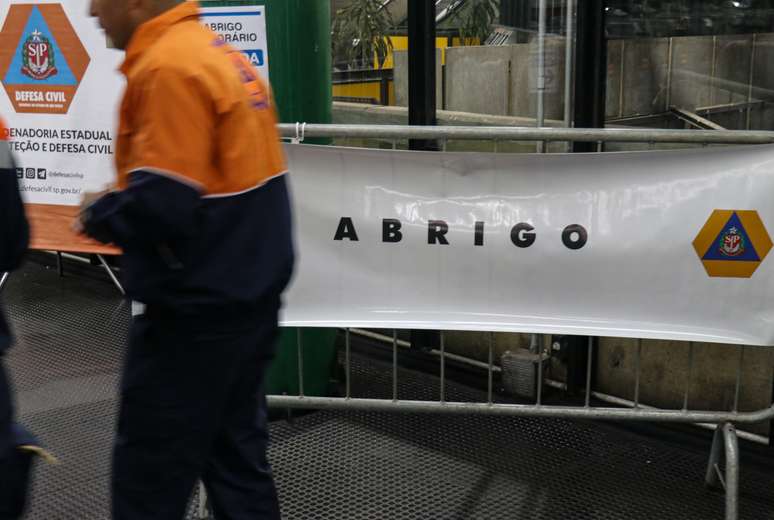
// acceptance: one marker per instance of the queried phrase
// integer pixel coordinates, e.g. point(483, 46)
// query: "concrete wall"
point(524, 80)
point(665, 375)
point(503, 80)
point(401, 78)
point(645, 77)
point(495, 80)
point(763, 79)
point(733, 61)
point(614, 69)
point(642, 73)
point(477, 80)
point(690, 55)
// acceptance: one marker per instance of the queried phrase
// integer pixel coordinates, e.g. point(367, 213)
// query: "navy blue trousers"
point(15, 466)
point(193, 407)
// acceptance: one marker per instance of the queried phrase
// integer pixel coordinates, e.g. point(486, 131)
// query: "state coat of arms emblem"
point(732, 243)
point(38, 59)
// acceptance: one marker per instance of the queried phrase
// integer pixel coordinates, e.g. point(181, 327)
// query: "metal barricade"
point(725, 445)
point(396, 133)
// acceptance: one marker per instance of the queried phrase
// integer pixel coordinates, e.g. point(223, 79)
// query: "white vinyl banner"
point(669, 245)
point(60, 96)
point(62, 89)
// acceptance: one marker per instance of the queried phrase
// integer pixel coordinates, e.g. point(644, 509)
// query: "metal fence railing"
point(394, 133)
point(724, 422)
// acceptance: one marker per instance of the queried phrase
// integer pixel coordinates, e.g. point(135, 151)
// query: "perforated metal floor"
point(356, 465)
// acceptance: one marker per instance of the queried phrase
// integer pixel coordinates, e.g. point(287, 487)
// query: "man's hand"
point(77, 225)
point(89, 198)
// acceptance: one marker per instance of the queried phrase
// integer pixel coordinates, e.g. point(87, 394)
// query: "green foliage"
point(474, 19)
point(360, 33)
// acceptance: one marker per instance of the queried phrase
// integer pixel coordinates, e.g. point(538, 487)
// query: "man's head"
point(121, 18)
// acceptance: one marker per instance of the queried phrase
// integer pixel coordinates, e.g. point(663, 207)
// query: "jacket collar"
point(149, 32)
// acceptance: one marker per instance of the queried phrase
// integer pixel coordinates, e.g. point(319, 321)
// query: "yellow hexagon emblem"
point(733, 243)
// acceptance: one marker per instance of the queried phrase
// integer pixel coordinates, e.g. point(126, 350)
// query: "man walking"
point(202, 214)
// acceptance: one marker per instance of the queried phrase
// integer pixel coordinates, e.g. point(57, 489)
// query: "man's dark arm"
point(154, 209)
point(14, 230)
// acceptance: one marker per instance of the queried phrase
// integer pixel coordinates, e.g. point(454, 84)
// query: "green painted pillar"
point(299, 38)
point(298, 35)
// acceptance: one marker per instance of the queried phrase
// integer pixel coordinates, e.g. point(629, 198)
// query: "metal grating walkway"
point(357, 465)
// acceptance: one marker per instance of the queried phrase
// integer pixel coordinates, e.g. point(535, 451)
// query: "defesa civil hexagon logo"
point(732, 243)
point(42, 60)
